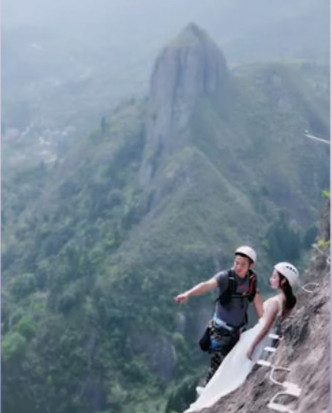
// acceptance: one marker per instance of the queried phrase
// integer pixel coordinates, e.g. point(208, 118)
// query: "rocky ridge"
point(304, 349)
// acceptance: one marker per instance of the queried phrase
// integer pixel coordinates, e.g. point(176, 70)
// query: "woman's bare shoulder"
point(276, 302)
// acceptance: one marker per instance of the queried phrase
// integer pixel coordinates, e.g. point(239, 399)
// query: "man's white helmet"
point(247, 251)
point(288, 271)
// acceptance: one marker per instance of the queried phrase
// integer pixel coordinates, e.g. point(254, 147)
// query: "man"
point(237, 287)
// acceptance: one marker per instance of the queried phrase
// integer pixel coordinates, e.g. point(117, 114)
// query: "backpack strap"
point(230, 292)
point(252, 286)
point(226, 296)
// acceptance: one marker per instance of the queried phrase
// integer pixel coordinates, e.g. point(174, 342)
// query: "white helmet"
point(247, 251)
point(288, 271)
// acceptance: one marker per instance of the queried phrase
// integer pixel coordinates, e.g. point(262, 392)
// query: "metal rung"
point(279, 408)
point(328, 259)
point(310, 290)
point(292, 389)
point(275, 336)
point(270, 349)
point(264, 363)
point(275, 368)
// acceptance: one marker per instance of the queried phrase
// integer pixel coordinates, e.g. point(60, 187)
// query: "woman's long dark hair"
point(290, 297)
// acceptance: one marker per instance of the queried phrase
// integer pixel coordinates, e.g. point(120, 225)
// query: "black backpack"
point(230, 292)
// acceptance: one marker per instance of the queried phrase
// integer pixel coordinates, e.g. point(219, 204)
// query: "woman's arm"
point(270, 316)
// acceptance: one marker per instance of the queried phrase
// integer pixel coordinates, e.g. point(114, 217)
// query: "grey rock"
point(190, 67)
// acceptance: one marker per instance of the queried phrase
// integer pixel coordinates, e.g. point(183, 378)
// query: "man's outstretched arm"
point(198, 289)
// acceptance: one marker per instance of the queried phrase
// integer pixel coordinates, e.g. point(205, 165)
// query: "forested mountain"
point(157, 197)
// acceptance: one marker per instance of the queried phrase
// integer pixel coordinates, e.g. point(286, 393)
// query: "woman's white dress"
point(236, 366)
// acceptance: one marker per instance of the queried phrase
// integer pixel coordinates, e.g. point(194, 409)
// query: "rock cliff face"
point(190, 67)
point(304, 349)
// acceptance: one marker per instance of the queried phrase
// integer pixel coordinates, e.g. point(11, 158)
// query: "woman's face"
point(275, 279)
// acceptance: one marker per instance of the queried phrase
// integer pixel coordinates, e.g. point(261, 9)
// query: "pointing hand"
point(181, 298)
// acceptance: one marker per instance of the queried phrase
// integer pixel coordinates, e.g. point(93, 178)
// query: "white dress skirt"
point(236, 366)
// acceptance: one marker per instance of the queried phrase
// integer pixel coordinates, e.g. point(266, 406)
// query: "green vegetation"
point(326, 193)
point(91, 260)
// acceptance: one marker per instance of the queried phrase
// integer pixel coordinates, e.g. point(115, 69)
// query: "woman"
point(239, 362)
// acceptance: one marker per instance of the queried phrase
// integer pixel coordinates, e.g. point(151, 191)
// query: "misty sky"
point(150, 18)
point(115, 43)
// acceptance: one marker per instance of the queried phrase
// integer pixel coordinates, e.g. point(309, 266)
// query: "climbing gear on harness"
point(248, 252)
point(221, 324)
point(205, 341)
point(218, 323)
point(220, 328)
point(288, 271)
point(223, 337)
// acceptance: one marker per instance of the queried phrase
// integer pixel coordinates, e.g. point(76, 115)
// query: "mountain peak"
point(189, 68)
point(190, 35)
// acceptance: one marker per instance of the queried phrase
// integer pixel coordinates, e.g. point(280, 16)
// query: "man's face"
point(241, 265)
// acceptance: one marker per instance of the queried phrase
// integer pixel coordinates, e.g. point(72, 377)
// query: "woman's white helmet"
point(288, 271)
point(247, 251)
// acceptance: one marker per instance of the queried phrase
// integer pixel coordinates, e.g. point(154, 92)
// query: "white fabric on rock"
point(236, 366)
